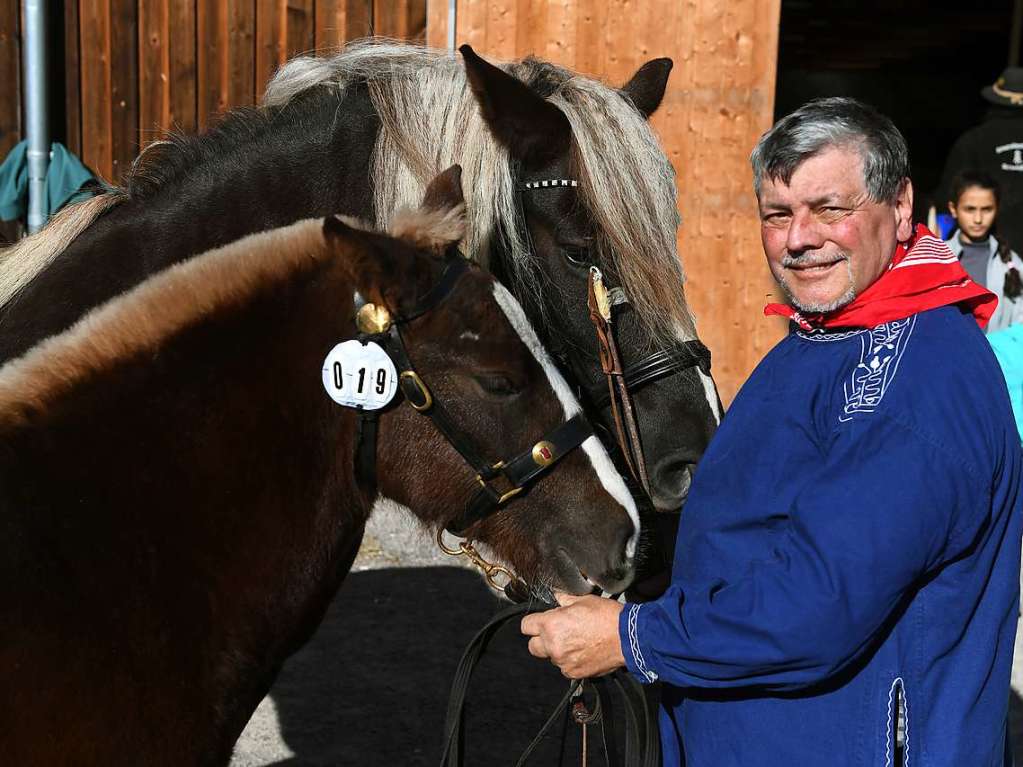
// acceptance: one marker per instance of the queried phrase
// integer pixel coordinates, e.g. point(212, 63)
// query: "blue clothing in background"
point(850, 550)
point(1008, 346)
point(65, 177)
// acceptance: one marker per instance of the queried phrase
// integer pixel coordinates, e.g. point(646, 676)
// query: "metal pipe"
point(37, 122)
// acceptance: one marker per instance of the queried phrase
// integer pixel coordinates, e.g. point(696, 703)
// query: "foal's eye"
point(497, 385)
point(577, 255)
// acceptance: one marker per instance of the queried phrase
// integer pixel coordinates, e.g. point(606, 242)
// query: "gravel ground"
point(371, 686)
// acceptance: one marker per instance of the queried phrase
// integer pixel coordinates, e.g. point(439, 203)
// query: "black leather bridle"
point(499, 481)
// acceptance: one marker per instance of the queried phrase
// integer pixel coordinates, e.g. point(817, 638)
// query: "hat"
point(1007, 90)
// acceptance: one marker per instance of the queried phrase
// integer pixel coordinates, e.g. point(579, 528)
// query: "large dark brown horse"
point(362, 133)
point(178, 501)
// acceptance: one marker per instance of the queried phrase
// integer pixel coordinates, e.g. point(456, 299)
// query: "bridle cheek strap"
point(618, 392)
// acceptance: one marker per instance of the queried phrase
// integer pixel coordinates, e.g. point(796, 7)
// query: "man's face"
point(975, 213)
point(825, 240)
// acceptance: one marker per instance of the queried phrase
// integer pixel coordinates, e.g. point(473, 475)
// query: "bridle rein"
point(499, 481)
point(620, 381)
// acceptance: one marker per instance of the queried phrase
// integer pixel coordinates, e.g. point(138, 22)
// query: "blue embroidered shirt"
point(846, 578)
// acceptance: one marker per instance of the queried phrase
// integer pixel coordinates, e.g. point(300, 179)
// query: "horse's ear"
point(646, 88)
point(445, 191)
point(535, 131)
point(365, 266)
point(439, 222)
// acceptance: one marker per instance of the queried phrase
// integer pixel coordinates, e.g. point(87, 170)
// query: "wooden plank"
point(225, 31)
point(72, 80)
point(10, 78)
point(340, 21)
point(300, 25)
point(183, 73)
point(437, 24)
point(401, 19)
point(154, 69)
point(241, 54)
point(471, 24)
point(94, 37)
point(124, 95)
point(271, 38)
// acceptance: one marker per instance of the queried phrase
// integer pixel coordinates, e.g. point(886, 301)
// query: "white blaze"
point(601, 461)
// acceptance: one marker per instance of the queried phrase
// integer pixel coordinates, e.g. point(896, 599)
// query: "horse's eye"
point(577, 256)
point(497, 385)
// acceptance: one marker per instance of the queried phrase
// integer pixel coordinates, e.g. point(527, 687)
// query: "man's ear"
point(439, 222)
point(646, 88)
point(904, 212)
point(534, 131)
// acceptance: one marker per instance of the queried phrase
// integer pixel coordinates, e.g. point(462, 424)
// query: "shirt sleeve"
point(883, 508)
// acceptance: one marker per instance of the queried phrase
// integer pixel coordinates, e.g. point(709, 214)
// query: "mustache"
point(812, 258)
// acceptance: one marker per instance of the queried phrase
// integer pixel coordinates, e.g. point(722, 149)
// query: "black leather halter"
point(499, 481)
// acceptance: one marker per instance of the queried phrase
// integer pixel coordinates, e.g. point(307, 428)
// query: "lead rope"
point(599, 302)
point(642, 744)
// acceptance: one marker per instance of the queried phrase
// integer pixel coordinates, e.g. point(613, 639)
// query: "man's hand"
point(580, 637)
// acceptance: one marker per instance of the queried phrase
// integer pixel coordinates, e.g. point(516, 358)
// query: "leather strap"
point(621, 405)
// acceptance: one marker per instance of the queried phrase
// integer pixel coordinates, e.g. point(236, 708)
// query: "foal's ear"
point(439, 222)
point(363, 264)
point(534, 130)
point(646, 88)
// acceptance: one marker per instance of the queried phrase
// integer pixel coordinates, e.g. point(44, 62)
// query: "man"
point(845, 589)
point(996, 147)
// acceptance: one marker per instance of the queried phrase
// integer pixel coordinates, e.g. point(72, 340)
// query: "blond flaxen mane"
point(26, 258)
point(139, 320)
point(430, 120)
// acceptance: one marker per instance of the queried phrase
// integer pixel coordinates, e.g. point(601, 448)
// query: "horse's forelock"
point(628, 185)
point(430, 120)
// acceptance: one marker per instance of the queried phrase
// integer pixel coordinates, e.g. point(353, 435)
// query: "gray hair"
point(835, 122)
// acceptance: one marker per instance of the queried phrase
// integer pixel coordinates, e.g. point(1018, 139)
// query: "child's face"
point(975, 212)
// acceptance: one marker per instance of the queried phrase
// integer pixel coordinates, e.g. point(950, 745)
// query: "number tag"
point(359, 375)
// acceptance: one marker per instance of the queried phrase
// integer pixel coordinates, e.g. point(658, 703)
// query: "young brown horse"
point(179, 501)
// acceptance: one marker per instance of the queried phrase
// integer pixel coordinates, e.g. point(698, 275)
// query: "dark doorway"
point(921, 62)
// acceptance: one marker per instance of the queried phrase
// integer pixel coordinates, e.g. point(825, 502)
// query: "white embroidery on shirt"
point(650, 676)
point(881, 350)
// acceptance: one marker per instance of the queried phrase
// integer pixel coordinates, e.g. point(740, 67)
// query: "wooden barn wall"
point(720, 99)
point(137, 68)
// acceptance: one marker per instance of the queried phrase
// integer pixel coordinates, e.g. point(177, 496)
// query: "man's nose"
point(804, 233)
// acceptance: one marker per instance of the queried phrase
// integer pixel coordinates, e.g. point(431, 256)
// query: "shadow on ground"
point(371, 687)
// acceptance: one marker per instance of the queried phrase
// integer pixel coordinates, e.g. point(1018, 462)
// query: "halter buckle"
point(504, 497)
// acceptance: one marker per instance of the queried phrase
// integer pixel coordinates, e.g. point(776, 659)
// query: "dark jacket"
point(994, 146)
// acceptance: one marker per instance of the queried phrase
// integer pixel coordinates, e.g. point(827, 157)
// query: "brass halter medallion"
point(372, 319)
point(543, 453)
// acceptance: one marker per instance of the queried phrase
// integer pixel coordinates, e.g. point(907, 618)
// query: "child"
point(988, 261)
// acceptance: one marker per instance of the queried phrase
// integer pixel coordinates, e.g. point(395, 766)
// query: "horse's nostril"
point(670, 480)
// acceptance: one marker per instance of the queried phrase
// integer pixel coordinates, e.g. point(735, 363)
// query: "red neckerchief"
point(924, 274)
